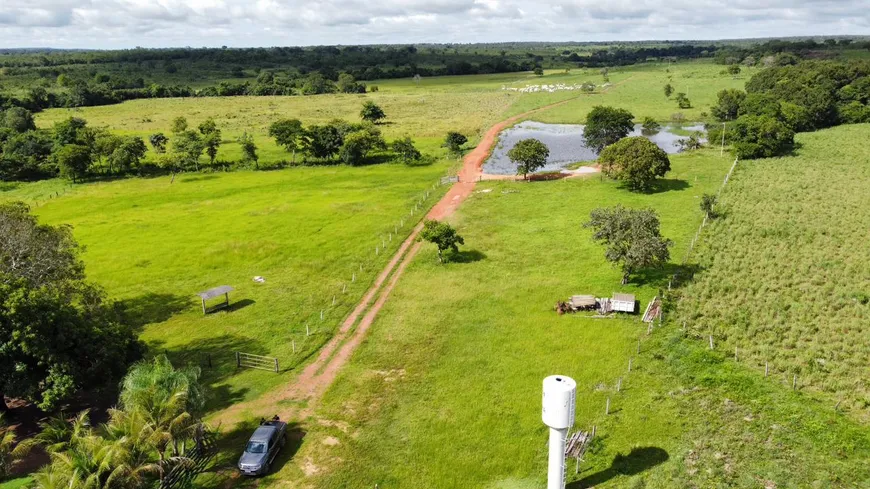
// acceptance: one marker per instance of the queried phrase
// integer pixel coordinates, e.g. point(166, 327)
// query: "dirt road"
point(316, 378)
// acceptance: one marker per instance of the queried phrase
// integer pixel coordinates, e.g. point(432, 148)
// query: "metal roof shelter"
point(223, 290)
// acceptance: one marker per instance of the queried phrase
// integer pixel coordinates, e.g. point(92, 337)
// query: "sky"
point(106, 24)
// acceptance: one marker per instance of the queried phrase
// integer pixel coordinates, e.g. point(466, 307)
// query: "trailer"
point(623, 303)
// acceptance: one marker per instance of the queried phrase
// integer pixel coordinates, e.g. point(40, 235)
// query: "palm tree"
point(57, 434)
point(9, 450)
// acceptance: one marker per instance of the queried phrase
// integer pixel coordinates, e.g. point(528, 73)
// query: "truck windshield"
point(256, 447)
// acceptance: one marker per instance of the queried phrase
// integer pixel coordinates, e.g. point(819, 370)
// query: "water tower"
point(560, 394)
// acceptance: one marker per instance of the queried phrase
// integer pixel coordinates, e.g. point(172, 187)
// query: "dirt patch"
point(308, 467)
point(331, 441)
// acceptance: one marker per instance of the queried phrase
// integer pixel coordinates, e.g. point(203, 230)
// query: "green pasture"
point(446, 390)
point(154, 243)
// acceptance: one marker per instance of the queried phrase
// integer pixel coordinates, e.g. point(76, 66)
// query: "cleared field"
point(446, 391)
point(786, 274)
point(154, 244)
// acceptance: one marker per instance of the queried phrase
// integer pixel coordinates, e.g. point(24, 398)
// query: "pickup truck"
point(263, 446)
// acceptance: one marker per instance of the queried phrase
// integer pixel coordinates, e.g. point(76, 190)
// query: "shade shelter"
point(223, 290)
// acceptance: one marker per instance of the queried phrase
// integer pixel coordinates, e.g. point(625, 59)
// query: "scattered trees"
point(372, 112)
point(529, 155)
point(406, 151)
point(211, 138)
point(249, 150)
point(632, 238)
point(289, 134)
point(443, 236)
point(708, 205)
point(683, 101)
point(669, 90)
point(650, 126)
point(606, 125)
point(454, 142)
point(158, 142)
point(637, 161)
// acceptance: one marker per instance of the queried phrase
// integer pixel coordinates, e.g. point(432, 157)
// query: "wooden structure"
point(583, 302)
point(249, 360)
point(223, 290)
point(622, 302)
point(653, 310)
point(577, 444)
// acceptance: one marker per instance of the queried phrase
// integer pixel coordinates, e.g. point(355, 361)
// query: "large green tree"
point(605, 126)
point(632, 238)
point(759, 137)
point(73, 161)
point(637, 161)
point(322, 141)
point(372, 112)
point(443, 235)
point(211, 138)
point(728, 104)
point(289, 134)
point(454, 142)
point(529, 155)
point(357, 145)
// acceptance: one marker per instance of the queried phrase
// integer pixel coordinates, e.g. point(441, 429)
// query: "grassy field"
point(154, 244)
point(786, 275)
point(446, 390)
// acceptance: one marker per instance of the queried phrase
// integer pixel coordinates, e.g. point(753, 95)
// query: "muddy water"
point(566, 144)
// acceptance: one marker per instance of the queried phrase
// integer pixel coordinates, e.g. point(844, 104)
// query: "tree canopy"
point(454, 142)
point(372, 112)
point(637, 161)
point(529, 155)
point(443, 236)
point(632, 238)
point(289, 134)
point(605, 126)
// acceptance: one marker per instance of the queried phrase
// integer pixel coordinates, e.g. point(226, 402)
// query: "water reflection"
point(566, 144)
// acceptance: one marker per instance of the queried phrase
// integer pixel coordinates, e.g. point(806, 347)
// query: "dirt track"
point(314, 380)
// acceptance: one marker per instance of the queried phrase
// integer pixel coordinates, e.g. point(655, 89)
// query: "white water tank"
point(559, 400)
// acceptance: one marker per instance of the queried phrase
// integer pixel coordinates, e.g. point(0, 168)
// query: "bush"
point(637, 161)
point(759, 137)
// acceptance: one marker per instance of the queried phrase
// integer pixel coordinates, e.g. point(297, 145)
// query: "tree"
point(162, 391)
point(538, 71)
point(211, 138)
point(708, 205)
point(372, 112)
point(759, 137)
point(71, 131)
point(454, 142)
point(406, 151)
point(249, 150)
point(17, 119)
point(348, 84)
point(288, 133)
point(632, 238)
point(650, 126)
point(728, 105)
point(73, 161)
point(105, 144)
point(605, 126)
point(358, 144)
point(529, 155)
point(57, 341)
point(683, 101)
point(128, 154)
point(315, 83)
point(734, 69)
point(187, 148)
point(37, 253)
point(179, 125)
point(158, 142)
point(690, 143)
point(322, 141)
point(668, 90)
point(443, 236)
point(637, 161)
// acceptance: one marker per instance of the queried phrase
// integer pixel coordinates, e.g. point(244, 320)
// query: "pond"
point(566, 144)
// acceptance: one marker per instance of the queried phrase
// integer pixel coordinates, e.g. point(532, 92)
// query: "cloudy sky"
point(162, 23)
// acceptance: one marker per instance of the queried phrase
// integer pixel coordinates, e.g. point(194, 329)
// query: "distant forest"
point(38, 79)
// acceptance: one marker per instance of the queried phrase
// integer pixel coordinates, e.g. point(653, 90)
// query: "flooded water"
point(566, 144)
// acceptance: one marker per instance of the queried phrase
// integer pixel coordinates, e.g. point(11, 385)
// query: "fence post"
point(276, 365)
point(607, 407)
point(711, 342)
point(629, 364)
point(238, 360)
point(293, 342)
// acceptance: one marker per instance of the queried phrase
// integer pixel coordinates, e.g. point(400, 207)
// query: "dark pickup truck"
point(262, 447)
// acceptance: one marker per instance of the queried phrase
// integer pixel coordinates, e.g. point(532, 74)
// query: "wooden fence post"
point(607, 407)
point(629, 364)
point(238, 360)
point(619, 384)
point(711, 342)
point(766, 368)
point(276, 365)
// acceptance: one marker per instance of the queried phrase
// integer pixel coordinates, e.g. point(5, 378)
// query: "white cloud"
point(127, 23)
